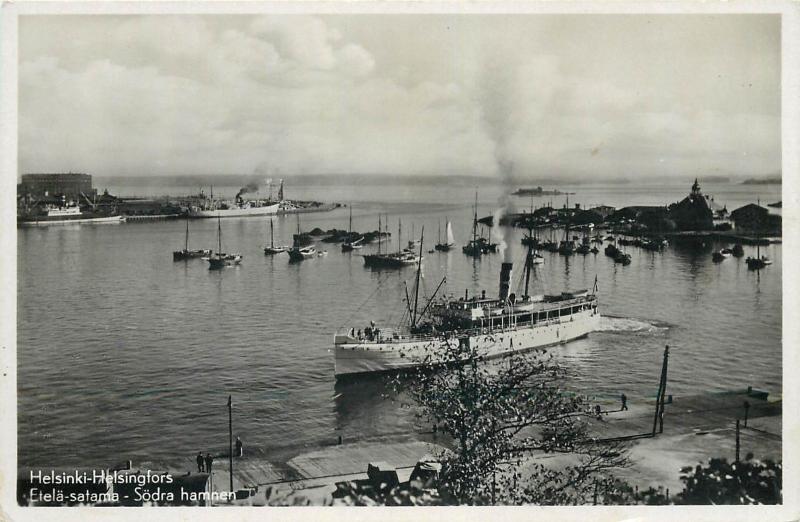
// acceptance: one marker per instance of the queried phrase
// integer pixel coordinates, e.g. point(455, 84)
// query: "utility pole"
point(662, 386)
point(663, 391)
point(230, 439)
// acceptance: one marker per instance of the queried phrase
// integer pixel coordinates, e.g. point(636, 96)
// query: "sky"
point(541, 95)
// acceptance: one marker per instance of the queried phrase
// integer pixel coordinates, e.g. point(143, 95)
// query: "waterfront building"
point(603, 210)
point(753, 218)
point(692, 212)
point(71, 185)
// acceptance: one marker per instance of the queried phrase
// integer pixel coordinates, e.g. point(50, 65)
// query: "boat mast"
point(419, 269)
point(475, 219)
point(271, 234)
point(399, 234)
point(758, 233)
point(186, 247)
point(528, 261)
point(440, 232)
point(379, 234)
point(219, 234)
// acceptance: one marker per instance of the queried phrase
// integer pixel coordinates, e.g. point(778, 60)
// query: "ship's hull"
point(299, 255)
point(354, 357)
point(383, 261)
point(266, 210)
point(44, 221)
point(182, 255)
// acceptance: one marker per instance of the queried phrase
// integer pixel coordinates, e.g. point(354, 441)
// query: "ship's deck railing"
point(401, 335)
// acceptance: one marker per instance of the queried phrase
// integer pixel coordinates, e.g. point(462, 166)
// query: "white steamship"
point(486, 327)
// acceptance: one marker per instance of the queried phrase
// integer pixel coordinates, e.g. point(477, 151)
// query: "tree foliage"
point(497, 413)
point(721, 482)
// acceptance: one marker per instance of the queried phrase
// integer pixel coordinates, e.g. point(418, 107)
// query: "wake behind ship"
point(487, 327)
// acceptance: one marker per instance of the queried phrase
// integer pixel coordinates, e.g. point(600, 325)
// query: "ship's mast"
point(399, 234)
point(186, 247)
point(528, 261)
point(271, 234)
point(379, 234)
point(758, 232)
point(219, 234)
point(419, 269)
point(475, 219)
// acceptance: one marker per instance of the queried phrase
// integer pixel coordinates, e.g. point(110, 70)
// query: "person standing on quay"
point(239, 447)
point(624, 399)
point(200, 462)
point(209, 462)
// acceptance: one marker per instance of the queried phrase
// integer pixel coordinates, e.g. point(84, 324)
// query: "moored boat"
point(181, 255)
point(67, 214)
point(299, 251)
point(399, 259)
point(271, 249)
point(450, 241)
point(478, 246)
point(353, 241)
point(220, 259)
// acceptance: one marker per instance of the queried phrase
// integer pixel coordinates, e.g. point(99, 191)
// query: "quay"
point(696, 428)
point(154, 217)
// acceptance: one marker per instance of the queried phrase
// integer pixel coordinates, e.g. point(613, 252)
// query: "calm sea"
point(123, 353)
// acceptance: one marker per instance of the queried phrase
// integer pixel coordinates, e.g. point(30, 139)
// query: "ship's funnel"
point(505, 280)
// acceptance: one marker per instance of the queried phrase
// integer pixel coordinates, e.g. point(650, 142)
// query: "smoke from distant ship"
point(496, 95)
point(247, 189)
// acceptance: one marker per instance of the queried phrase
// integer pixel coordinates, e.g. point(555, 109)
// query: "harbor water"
point(124, 354)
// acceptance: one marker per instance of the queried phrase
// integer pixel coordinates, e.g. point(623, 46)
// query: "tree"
point(498, 413)
point(721, 482)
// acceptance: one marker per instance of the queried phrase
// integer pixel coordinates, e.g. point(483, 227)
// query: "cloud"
point(303, 94)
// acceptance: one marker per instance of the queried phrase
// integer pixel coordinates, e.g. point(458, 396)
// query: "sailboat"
point(181, 255)
point(351, 244)
point(299, 252)
point(584, 248)
point(758, 262)
point(477, 246)
point(221, 259)
point(403, 256)
point(534, 258)
point(449, 239)
point(272, 249)
point(567, 247)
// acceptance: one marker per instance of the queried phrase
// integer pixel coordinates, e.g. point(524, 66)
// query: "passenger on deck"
point(200, 462)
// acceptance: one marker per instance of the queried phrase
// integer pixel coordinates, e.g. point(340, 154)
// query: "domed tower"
point(696, 189)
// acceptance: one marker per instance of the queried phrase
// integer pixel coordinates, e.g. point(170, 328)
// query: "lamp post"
point(230, 440)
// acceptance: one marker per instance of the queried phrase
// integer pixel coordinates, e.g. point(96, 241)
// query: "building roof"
point(750, 207)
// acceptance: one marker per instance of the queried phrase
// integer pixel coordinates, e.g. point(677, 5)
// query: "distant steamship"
point(239, 207)
point(485, 327)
